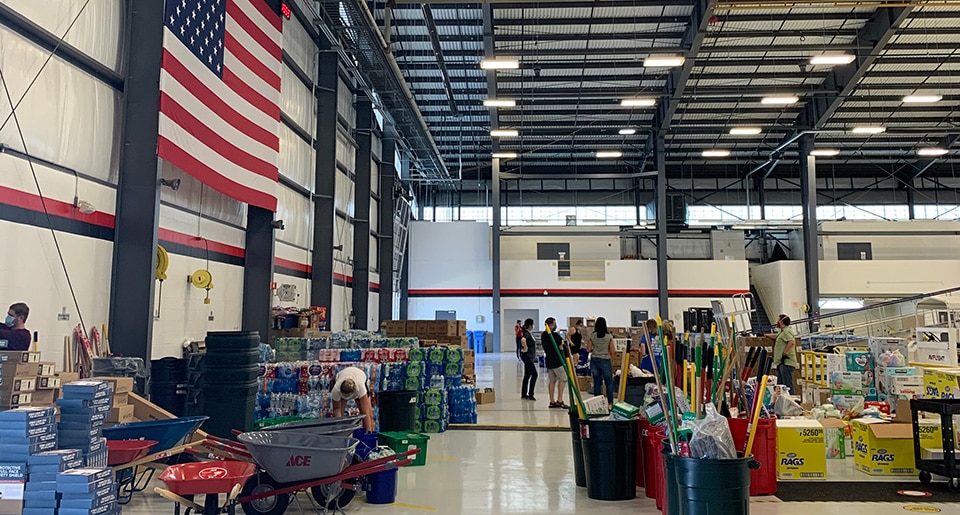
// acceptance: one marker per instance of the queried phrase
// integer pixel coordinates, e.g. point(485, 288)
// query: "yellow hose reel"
point(202, 279)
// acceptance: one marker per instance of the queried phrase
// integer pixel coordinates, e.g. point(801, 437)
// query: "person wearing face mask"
point(14, 334)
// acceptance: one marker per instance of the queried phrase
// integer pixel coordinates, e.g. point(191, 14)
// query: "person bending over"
point(351, 384)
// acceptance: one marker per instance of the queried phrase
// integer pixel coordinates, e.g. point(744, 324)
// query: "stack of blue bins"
point(41, 497)
point(83, 409)
point(87, 491)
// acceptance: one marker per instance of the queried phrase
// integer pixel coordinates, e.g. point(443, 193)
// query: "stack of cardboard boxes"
point(25, 381)
point(121, 410)
point(469, 367)
point(430, 332)
point(308, 323)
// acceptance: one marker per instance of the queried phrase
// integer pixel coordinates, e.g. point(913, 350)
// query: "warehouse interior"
point(488, 163)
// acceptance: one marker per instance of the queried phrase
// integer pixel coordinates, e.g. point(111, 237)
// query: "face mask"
point(9, 321)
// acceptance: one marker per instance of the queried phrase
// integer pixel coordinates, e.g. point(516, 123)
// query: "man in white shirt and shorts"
point(351, 384)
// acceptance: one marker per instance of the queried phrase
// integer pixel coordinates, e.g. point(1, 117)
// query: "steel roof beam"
point(438, 55)
point(488, 52)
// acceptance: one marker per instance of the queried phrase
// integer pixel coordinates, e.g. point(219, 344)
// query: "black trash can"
point(229, 407)
point(168, 384)
point(398, 410)
point(578, 471)
point(232, 341)
point(713, 487)
point(610, 458)
point(671, 489)
point(227, 381)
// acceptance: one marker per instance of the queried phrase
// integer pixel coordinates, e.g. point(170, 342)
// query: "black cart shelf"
point(946, 467)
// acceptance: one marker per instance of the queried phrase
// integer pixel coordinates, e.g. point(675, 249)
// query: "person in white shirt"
point(351, 384)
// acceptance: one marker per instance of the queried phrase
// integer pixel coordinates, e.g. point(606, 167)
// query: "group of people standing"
point(598, 341)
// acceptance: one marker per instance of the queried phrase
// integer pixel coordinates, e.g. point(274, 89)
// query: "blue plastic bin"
point(368, 442)
point(381, 487)
point(478, 341)
point(471, 343)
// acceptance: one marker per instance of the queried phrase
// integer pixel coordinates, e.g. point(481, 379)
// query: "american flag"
point(220, 94)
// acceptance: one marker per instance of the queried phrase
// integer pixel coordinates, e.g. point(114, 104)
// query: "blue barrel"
point(478, 341)
point(382, 487)
point(471, 343)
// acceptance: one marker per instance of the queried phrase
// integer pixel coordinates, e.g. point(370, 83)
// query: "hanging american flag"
point(220, 94)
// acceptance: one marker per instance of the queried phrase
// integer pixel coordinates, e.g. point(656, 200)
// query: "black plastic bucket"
point(398, 410)
point(231, 376)
point(578, 471)
point(713, 487)
point(168, 370)
point(229, 407)
point(232, 341)
point(610, 458)
point(170, 396)
point(231, 359)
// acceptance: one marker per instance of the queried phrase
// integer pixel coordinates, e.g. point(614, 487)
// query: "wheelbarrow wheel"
point(334, 496)
point(262, 483)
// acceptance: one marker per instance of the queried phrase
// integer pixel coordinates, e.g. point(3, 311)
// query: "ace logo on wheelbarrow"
point(299, 461)
point(212, 473)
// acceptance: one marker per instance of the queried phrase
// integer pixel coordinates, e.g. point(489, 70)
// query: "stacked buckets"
point(229, 384)
point(168, 384)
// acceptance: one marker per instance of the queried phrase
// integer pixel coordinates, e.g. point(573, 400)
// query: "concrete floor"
point(494, 472)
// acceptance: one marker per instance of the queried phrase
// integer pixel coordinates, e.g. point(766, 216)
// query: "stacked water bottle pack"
point(87, 491)
point(434, 410)
point(302, 388)
point(463, 405)
point(83, 409)
point(41, 497)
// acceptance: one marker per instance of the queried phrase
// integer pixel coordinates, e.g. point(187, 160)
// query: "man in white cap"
point(351, 384)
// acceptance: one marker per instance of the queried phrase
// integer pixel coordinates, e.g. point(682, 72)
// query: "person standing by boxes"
point(784, 352)
point(14, 334)
point(575, 339)
point(518, 329)
point(600, 346)
point(351, 384)
point(554, 358)
point(528, 354)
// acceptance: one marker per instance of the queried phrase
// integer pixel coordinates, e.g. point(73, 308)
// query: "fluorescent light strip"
point(499, 102)
point(609, 154)
point(868, 129)
point(505, 155)
point(832, 59)
point(922, 99)
point(745, 131)
point(638, 102)
point(824, 152)
point(504, 133)
point(628, 132)
point(499, 64)
point(780, 99)
point(715, 153)
point(663, 61)
point(932, 151)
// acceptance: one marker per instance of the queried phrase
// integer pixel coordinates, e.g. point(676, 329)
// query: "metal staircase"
point(760, 318)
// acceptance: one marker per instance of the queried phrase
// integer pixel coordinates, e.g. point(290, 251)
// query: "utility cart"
point(947, 466)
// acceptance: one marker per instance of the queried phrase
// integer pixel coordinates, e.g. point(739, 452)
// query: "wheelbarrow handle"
point(232, 496)
point(167, 494)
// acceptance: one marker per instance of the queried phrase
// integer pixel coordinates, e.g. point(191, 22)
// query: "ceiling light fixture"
point(504, 133)
point(609, 154)
point(628, 132)
point(780, 99)
point(638, 102)
point(499, 102)
point(832, 59)
point(922, 99)
point(715, 153)
point(932, 151)
point(868, 129)
point(499, 64)
point(745, 131)
point(504, 155)
point(663, 61)
point(824, 152)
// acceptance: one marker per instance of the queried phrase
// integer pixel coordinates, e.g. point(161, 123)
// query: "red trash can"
point(763, 481)
point(651, 436)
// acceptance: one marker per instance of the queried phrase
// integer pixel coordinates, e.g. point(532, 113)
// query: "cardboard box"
point(68, 377)
point(461, 327)
point(800, 445)
point(45, 397)
point(120, 414)
point(469, 369)
point(429, 343)
point(469, 356)
point(16, 369)
point(618, 332)
point(904, 388)
point(121, 399)
point(18, 384)
point(883, 448)
point(395, 328)
point(931, 384)
point(834, 437)
point(120, 384)
point(756, 341)
point(15, 400)
point(411, 329)
point(47, 368)
point(13, 478)
point(48, 383)
point(424, 328)
point(585, 384)
point(486, 396)
point(20, 356)
point(144, 410)
point(846, 383)
point(886, 374)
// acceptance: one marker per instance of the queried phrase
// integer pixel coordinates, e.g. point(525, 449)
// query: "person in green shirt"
point(784, 352)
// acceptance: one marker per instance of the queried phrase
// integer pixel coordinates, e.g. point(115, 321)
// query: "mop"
point(664, 399)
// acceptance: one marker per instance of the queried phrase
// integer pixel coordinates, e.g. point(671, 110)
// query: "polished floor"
point(531, 471)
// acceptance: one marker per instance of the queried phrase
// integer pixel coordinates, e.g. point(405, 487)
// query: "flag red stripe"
point(216, 104)
point(253, 30)
point(196, 128)
point(270, 16)
point(250, 61)
point(255, 99)
point(170, 151)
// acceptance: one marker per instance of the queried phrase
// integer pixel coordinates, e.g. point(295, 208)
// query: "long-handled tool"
point(756, 417)
point(668, 382)
point(664, 401)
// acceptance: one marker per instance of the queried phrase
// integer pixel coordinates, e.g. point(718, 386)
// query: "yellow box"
point(883, 448)
point(931, 383)
point(801, 447)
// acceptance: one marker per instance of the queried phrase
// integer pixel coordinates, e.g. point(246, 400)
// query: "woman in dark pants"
point(528, 354)
point(600, 345)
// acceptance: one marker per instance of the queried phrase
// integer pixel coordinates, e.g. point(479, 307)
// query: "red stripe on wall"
point(570, 292)
point(199, 243)
point(450, 293)
point(59, 208)
point(293, 265)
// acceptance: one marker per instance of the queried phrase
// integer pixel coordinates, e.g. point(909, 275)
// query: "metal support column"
point(911, 201)
point(321, 279)
point(811, 241)
point(497, 315)
point(361, 224)
point(663, 304)
point(388, 181)
point(258, 271)
point(405, 284)
point(132, 281)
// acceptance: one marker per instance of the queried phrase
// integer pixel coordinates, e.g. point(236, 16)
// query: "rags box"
point(883, 448)
point(800, 446)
